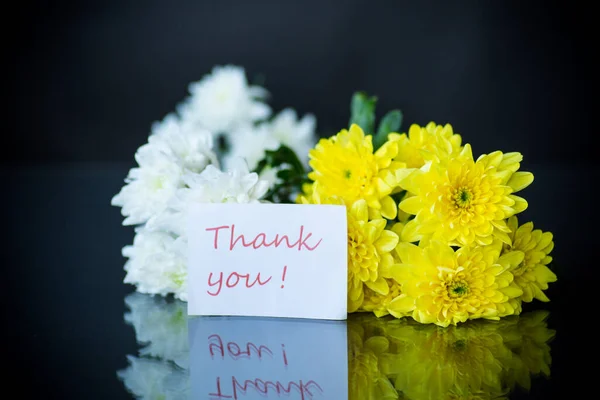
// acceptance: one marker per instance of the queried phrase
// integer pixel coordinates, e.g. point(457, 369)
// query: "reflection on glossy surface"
point(387, 358)
point(255, 357)
point(400, 359)
point(160, 370)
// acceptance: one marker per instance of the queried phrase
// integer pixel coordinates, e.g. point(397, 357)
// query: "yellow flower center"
point(463, 197)
point(458, 288)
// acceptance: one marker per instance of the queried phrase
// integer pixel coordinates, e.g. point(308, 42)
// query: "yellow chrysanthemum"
point(369, 250)
point(533, 274)
point(345, 166)
point(431, 142)
point(465, 201)
point(376, 302)
point(445, 287)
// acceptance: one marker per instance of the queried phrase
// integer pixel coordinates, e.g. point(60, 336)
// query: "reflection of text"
point(216, 346)
point(306, 389)
point(219, 349)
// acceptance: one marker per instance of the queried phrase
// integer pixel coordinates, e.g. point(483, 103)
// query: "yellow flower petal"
point(520, 204)
point(512, 291)
point(520, 180)
point(386, 242)
point(410, 232)
point(502, 236)
point(359, 210)
point(401, 305)
point(380, 286)
point(511, 259)
point(388, 207)
point(511, 161)
point(411, 205)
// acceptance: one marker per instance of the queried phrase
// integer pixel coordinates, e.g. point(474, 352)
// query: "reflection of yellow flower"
point(464, 201)
point(532, 275)
point(444, 287)
point(366, 380)
point(432, 142)
point(477, 360)
point(345, 166)
point(531, 338)
point(369, 250)
point(448, 363)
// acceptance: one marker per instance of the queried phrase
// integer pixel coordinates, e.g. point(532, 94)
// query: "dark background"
point(89, 78)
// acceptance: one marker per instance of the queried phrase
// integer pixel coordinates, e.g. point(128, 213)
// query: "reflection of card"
point(262, 358)
point(268, 260)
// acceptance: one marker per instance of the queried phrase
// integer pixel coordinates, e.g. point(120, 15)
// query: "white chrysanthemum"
point(191, 147)
point(150, 186)
point(250, 143)
point(151, 379)
point(157, 264)
point(223, 101)
point(237, 185)
point(269, 175)
point(298, 135)
point(161, 325)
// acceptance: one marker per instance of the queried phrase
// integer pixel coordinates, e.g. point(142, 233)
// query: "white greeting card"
point(273, 260)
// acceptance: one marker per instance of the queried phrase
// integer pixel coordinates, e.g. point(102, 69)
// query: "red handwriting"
point(284, 355)
point(215, 344)
point(266, 387)
point(260, 240)
point(283, 275)
point(232, 281)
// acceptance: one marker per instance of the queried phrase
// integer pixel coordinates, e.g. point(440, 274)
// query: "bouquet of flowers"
point(433, 232)
point(224, 121)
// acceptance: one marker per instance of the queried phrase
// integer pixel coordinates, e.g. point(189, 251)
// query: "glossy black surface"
point(64, 300)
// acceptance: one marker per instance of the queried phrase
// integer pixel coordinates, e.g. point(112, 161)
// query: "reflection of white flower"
point(192, 148)
point(149, 186)
point(157, 264)
point(151, 379)
point(223, 101)
point(250, 143)
point(210, 186)
point(298, 135)
point(161, 325)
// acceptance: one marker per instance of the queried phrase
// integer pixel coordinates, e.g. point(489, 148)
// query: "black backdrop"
point(90, 77)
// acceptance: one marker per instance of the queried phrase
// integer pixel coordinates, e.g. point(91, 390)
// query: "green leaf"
point(292, 173)
point(362, 111)
point(391, 122)
point(283, 155)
